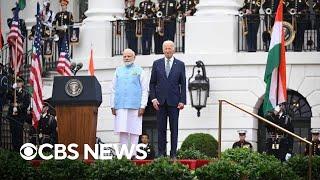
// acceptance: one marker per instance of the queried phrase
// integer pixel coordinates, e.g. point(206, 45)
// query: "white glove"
point(15, 109)
point(288, 156)
point(14, 86)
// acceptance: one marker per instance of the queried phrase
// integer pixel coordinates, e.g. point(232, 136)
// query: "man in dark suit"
point(168, 95)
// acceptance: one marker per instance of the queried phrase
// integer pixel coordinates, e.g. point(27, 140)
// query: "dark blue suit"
point(169, 91)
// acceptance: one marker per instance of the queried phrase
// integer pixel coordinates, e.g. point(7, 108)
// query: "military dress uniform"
point(22, 25)
point(300, 21)
point(279, 144)
point(158, 37)
point(63, 18)
point(253, 21)
point(18, 118)
point(47, 129)
point(242, 144)
point(269, 20)
point(169, 12)
point(147, 12)
point(315, 147)
point(184, 7)
point(132, 39)
point(316, 8)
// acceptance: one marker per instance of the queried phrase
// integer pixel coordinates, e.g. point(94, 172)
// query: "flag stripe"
point(15, 41)
point(35, 73)
point(63, 66)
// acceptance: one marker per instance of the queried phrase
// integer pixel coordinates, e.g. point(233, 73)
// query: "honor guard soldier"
point(147, 12)
point(296, 14)
point(315, 143)
point(17, 114)
point(169, 8)
point(144, 139)
point(316, 9)
point(270, 8)
point(279, 143)
point(47, 126)
point(22, 24)
point(251, 21)
point(63, 22)
point(242, 143)
point(131, 16)
point(185, 8)
point(158, 35)
point(47, 15)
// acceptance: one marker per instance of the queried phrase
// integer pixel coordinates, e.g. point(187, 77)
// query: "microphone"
point(73, 66)
point(79, 66)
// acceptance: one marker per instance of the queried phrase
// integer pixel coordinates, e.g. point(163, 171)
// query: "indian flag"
point(275, 74)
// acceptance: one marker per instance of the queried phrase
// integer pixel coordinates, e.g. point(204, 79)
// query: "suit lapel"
point(173, 67)
point(162, 67)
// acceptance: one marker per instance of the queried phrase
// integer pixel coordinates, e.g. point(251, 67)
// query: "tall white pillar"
point(97, 30)
point(213, 29)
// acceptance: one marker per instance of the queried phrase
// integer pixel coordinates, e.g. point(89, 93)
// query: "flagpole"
point(15, 77)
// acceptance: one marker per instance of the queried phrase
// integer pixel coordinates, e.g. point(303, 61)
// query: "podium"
point(77, 99)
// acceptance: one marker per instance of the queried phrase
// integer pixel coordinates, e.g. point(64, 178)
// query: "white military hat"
point(242, 131)
point(315, 131)
point(46, 2)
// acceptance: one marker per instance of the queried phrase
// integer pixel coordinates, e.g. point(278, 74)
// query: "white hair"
point(129, 51)
point(168, 42)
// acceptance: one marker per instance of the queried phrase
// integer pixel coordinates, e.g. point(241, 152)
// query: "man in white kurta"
point(129, 97)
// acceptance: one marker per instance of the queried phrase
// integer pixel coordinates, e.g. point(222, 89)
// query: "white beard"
point(128, 63)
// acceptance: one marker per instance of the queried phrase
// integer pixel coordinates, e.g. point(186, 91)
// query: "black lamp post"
point(199, 88)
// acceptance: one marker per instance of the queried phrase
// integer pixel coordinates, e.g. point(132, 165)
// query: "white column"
point(213, 29)
point(97, 30)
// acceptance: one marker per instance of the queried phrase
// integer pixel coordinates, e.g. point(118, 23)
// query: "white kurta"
point(127, 120)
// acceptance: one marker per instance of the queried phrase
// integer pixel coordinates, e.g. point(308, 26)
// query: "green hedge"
point(244, 164)
point(205, 143)
point(299, 164)
point(12, 166)
point(114, 169)
point(220, 170)
point(191, 154)
point(63, 169)
point(234, 164)
point(164, 169)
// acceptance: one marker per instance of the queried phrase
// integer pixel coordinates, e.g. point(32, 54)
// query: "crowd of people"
point(299, 15)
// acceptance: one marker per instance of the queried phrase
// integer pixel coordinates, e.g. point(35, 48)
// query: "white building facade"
point(211, 36)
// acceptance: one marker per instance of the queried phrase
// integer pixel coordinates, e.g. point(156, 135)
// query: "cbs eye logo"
point(28, 151)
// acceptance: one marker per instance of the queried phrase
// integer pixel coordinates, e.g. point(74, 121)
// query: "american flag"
point(35, 73)
point(63, 66)
point(15, 41)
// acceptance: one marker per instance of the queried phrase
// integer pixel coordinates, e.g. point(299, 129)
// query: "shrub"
point(220, 170)
point(299, 164)
point(259, 166)
point(205, 143)
point(12, 166)
point(164, 169)
point(114, 169)
point(63, 169)
point(191, 154)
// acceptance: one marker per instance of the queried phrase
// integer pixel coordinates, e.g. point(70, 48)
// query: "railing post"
point(310, 163)
point(219, 130)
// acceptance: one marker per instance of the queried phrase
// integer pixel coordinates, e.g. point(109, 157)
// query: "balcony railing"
point(48, 64)
point(306, 28)
point(119, 39)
